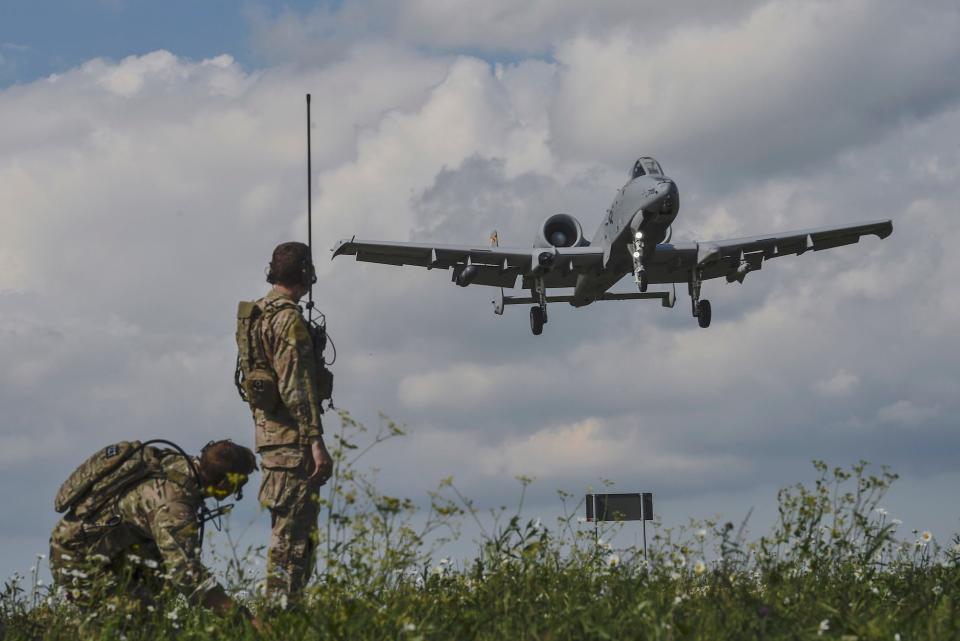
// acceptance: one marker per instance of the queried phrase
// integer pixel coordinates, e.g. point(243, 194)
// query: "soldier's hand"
point(322, 462)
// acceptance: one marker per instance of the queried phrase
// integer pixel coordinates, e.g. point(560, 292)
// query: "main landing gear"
point(538, 313)
point(701, 308)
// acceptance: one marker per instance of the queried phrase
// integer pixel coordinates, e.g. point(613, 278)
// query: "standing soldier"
point(281, 374)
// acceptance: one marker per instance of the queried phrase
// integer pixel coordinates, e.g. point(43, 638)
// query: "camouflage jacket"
point(158, 515)
point(289, 350)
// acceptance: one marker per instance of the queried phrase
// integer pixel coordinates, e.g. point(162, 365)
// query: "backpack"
point(254, 377)
point(105, 475)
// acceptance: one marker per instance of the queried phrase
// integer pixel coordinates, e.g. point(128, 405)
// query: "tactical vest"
point(105, 476)
point(255, 379)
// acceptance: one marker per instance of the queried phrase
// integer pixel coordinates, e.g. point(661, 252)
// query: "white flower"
point(133, 558)
point(881, 511)
point(926, 536)
point(677, 600)
point(111, 607)
point(956, 548)
point(41, 556)
point(66, 557)
point(150, 608)
point(699, 567)
point(173, 615)
point(613, 560)
point(896, 522)
point(680, 560)
point(896, 637)
point(824, 626)
point(409, 627)
point(150, 563)
point(937, 590)
point(537, 524)
point(675, 576)
point(100, 558)
point(701, 534)
point(39, 581)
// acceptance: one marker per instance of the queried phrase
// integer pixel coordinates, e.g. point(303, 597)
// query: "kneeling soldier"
point(134, 519)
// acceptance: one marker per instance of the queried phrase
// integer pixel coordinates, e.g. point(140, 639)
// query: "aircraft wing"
point(496, 266)
point(734, 258)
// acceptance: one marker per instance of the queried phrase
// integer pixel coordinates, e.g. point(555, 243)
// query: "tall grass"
point(832, 566)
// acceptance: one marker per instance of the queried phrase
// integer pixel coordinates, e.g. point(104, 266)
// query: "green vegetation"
point(833, 566)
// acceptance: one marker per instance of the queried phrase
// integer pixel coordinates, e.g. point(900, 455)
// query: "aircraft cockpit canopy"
point(646, 165)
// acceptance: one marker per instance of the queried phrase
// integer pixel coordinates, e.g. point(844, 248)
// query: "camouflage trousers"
point(293, 500)
point(93, 563)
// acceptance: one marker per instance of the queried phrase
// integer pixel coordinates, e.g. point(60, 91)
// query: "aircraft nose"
point(666, 195)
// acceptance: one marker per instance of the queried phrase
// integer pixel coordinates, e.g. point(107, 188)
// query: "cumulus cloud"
point(842, 383)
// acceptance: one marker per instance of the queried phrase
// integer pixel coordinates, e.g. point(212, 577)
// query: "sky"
point(151, 156)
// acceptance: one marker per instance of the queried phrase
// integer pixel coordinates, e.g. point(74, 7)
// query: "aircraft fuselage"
point(646, 204)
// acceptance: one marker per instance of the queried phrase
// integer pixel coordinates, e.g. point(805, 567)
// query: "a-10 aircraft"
point(635, 238)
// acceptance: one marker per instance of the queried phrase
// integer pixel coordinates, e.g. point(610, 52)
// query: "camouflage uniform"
point(283, 439)
point(150, 534)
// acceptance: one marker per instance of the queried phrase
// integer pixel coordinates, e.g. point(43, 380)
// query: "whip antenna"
point(309, 211)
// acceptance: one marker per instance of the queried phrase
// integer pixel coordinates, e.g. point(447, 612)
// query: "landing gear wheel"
point(643, 280)
point(536, 320)
point(703, 313)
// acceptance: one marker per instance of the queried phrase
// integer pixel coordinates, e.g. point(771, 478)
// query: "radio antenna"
point(309, 211)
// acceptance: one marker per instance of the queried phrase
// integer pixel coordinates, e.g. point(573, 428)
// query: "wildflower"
point(613, 560)
point(674, 576)
point(824, 626)
point(173, 615)
point(537, 524)
point(677, 600)
point(409, 627)
point(701, 534)
point(926, 536)
point(150, 563)
point(41, 557)
point(111, 607)
point(100, 558)
point(66, 557)
point(699, 567)
point(680, 560)
point(896, 522)
point(786, 600)
point(896, 637)
point(937, 590)
point(881, 511)
point(956, 548)
point(133, 558)
point(150, 608)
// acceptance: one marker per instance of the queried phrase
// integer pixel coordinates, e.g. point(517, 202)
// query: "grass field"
point(833, 566)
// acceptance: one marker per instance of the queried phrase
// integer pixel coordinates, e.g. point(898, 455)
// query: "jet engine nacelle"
point(560, 230)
